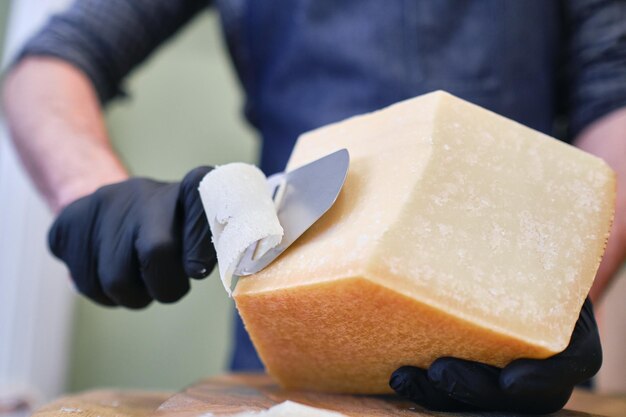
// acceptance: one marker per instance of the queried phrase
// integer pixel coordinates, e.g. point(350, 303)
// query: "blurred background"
point(53, 342)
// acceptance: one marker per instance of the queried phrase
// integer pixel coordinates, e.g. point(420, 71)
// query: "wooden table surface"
point(228, 394)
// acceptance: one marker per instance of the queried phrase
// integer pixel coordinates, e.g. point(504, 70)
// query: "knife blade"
point(301, 197)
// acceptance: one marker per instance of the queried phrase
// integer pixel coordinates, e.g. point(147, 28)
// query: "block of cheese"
point(458, 233)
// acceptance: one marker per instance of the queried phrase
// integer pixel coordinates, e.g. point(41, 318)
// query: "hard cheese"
point(291, 409)
point(240, 212)
point(458, 233)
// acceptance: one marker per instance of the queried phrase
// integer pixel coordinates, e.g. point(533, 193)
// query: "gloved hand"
point(527, 386)
point(136, 241)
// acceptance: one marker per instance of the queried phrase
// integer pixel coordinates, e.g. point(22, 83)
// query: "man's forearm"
point(57, 126)
point(606, 138)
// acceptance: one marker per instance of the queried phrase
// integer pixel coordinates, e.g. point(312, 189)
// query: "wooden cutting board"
point(105, 403)
point(228, 394)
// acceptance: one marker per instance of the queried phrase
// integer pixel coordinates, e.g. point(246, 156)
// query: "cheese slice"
point(458, 233)
point(240, 212)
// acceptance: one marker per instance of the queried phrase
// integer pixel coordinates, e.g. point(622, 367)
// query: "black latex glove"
point(136, 241)
point(527, 386)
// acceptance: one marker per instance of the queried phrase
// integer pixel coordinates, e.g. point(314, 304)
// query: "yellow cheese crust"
point(304, 329)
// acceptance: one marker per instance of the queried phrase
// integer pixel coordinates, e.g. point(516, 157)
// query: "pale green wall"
point(5, 7)
point(184, 111)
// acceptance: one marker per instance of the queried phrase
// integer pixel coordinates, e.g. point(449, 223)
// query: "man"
point(303, 64)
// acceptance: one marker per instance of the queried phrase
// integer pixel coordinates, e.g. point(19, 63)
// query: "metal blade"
point(302, 196)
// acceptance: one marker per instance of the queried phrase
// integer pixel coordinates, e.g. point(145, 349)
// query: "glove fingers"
point(479, 384)
point(578, 362)
point(471, 382)
point(162, 270)
point(532, 377)
point(159, 250)
point(199, 256)
point(65, 246)
point(413, 383)
point(120, 276)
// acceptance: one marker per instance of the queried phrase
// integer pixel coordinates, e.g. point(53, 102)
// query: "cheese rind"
point(458, 233)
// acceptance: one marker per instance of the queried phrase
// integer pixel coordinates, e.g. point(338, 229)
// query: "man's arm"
point(58, 129)
point(52, 94)
point(596, 52)
point(606, 138)
point(125, 244)
point(134, 241)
